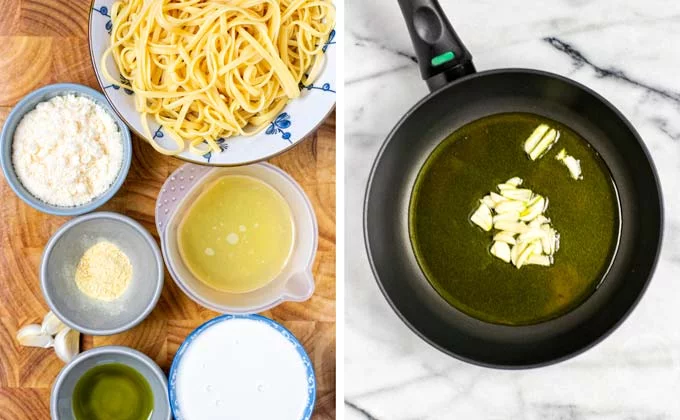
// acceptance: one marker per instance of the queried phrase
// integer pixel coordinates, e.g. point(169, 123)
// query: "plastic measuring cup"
point(294, 283)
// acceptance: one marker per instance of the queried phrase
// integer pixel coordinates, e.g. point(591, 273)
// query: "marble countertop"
point(628, 51)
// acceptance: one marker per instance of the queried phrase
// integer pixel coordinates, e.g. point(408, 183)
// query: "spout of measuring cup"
point(300, 286)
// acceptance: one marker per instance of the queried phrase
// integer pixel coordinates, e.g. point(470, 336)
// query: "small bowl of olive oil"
point(110, 382)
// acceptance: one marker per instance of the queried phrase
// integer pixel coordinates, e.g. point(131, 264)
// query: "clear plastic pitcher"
point(294, 283)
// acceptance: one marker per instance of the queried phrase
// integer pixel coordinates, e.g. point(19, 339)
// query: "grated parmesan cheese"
point(67, 151)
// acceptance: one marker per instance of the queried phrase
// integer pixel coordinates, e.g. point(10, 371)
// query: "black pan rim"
point(657, 249)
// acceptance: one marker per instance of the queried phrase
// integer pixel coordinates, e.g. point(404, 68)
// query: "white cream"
point(242, 369)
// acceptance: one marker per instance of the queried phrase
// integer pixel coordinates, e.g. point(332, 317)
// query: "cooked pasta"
point(210, 69)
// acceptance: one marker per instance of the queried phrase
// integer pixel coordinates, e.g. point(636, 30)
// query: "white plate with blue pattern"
point(298, 120)
point(242, 367)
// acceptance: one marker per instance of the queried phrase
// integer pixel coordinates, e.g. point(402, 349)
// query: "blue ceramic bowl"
point(28, 103)
point(304, 359)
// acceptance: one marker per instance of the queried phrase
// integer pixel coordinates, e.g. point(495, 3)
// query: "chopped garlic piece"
point(504, 187)
point(482, 217)
point(535, 137)
point(545, 144)
point(487, 201)
point(511, 216)
point(520, 194)
point(536, 200)
point(525, 235)
point(541, 220)
point(510, 206)
point(501, 250)
point(504, 236)
point(573, 164)
point(514, 227)
point(515, 251)
point(524, 256)
point(535, 223)
point(497, 198)
point(516, 181)
point(535, 208)
point(547, 244)
point(531, 235)
point(543, 260)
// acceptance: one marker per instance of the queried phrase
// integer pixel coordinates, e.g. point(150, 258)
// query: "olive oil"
point(454, 253)
point(112, 391)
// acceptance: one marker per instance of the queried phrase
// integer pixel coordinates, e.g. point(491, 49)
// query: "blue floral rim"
point(311, 377)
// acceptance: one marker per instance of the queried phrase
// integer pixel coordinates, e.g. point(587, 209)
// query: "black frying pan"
point(459, 96)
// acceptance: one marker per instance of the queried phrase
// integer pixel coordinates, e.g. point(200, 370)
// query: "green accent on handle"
point(443, 58)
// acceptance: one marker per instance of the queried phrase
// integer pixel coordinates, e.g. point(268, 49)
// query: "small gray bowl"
point(60, 259)
point(28, 103)
point(61, 397)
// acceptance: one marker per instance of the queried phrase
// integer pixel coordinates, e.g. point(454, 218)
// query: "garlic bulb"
point(67, 344)
point(51, 324)
point(33, 336)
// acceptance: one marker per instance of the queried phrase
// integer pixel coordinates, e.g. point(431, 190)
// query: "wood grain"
point(45, 41)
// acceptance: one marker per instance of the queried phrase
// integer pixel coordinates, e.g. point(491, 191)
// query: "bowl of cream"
point(241, 367)
point(237, 239)
point(64, 151)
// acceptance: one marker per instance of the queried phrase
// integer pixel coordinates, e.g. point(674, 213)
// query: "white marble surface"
point(629, 51)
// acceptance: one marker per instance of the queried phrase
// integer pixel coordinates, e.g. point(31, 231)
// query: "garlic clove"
point(33, 336)
point(67, 344)
point(51, 324)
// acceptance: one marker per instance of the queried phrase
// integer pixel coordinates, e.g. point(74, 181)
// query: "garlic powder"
point(104, 272)
point(67, 151)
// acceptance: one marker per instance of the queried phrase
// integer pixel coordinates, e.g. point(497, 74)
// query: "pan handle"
point(442, 57)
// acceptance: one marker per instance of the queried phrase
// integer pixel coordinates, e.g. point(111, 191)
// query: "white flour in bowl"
point(67, 151)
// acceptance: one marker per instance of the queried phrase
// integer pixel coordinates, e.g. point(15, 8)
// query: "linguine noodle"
point(211, 69)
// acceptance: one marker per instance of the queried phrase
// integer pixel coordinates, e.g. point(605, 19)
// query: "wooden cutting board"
point(43, 42)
